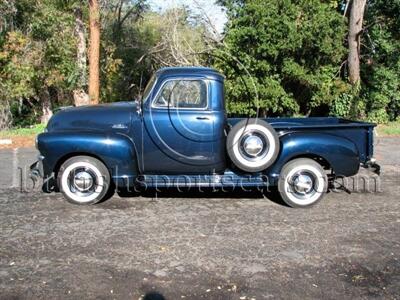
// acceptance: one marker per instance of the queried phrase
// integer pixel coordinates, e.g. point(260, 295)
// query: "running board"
point(227, 180)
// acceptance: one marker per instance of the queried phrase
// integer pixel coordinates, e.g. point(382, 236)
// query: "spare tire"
point(252, 145)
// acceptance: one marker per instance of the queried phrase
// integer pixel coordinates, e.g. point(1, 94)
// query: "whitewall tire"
point(253, 145)
point(302, 182)
point(84, 180)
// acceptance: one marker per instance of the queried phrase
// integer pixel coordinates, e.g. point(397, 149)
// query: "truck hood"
point(105, 117)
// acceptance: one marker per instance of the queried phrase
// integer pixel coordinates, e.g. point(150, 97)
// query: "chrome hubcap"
point(83, 181)
point(253, 145)
point(303, 184)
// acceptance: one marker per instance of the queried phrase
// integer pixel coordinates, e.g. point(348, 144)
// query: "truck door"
point(179, 122)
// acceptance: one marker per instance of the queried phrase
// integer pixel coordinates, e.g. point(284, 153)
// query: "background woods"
point(303, 57)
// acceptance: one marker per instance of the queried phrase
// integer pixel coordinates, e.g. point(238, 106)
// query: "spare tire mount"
point(253, 145)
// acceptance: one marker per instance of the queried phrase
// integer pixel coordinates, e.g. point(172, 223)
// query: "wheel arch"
point(334, 152)
point(316, 157)
point(69, 155)
point(116, 151)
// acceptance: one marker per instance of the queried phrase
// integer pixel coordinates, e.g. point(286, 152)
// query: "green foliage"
point(381, 61)
point(283, 56)
point(293, 52)
point(37, 57)
point(38, 51)
point(342, 106)
point(28, 131)
point(121, 47)
point(132, 51)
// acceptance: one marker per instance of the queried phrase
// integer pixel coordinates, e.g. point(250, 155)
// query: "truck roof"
point(190, 71)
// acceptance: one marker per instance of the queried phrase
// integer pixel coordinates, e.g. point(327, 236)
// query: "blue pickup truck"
point(178, 134)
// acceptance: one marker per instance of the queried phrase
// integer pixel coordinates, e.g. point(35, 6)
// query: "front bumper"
point(36, 169)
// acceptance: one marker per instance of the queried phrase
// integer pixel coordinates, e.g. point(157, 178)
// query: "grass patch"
point(392, 128)
point(32, 130)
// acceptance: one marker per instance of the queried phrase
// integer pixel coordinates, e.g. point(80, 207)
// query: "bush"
point(282, 56)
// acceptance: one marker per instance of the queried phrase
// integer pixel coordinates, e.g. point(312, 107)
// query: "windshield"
point(149, 87)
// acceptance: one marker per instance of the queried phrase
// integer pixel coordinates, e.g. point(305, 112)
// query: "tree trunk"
point(355, 28)
point(46, 107)
point(5, 116)
point(94, 52)
point(80, 96)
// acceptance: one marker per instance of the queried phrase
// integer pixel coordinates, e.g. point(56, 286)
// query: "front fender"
point(117, 151)
point(341, 154)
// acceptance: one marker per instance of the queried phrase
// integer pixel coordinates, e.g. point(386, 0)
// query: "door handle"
point(202, 118)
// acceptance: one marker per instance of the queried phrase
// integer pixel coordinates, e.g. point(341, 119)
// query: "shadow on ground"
point(270, 193)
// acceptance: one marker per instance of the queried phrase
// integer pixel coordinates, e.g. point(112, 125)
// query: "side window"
point(183, 94)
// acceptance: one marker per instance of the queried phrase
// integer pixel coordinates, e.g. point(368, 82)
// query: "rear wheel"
point(302, 183)
point(252, 145)
point(84, 180)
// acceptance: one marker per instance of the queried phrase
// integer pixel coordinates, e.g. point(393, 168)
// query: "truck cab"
point(184, 115)
point(179, 134)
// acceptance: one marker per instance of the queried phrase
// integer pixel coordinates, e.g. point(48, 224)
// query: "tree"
point(37, 60)
point(145, 41)
point(282, 57)
point(380, 61)
point(123, 43)
point(180, 40)
point(80, 95)
point(7, 13)
point(94, 51)
point(355, 31)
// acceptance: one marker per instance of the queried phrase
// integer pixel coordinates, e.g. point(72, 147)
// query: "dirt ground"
point(201, 245)
point(19, 142)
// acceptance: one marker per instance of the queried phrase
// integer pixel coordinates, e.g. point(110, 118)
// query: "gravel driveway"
point(201, 245)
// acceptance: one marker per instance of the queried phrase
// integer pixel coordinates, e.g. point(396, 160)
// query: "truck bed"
point(360, 133)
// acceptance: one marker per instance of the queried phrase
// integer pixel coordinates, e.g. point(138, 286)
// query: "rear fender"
point(340, 153)
point(117, 151)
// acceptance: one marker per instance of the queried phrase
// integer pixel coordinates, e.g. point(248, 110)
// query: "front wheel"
point(84, 180)
point(302, 182)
